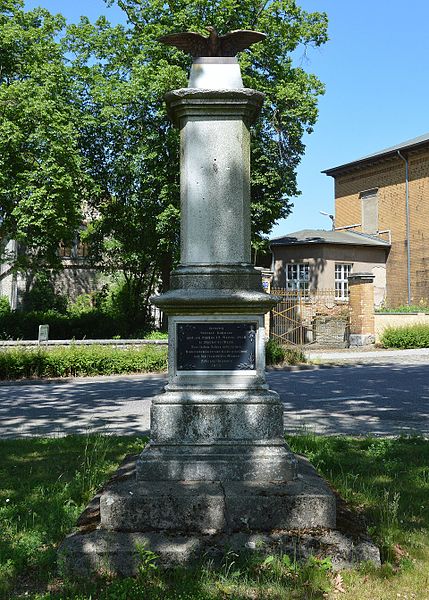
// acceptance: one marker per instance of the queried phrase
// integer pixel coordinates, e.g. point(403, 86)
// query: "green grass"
point(80, 361)
point(45, 483)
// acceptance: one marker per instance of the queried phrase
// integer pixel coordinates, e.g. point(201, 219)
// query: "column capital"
point(361, 278)
point(243, 103)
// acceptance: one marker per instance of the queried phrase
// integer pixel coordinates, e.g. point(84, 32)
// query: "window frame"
point(341, 284)
point(298, 283)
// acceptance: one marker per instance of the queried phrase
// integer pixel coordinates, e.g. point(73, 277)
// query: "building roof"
point(386, 153)
point(322, 236)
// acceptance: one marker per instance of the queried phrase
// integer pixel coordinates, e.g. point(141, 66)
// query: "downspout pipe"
point(407, 224)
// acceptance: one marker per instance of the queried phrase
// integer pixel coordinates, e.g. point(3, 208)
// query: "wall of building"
point(322, 258)
point(75, 280)
point(389, 177)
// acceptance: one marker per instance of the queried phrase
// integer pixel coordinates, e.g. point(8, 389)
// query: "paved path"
point(369, 356)
point(383, 396)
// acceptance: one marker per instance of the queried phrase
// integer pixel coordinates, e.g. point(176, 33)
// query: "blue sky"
point(376, 71)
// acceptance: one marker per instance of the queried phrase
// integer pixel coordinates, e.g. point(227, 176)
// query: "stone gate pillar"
point(362, 329)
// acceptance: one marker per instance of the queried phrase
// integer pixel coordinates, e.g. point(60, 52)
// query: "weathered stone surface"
point(202, 507)
point(205, 520)
point(242, 104)
point(216, 421)
point(361, 339)
point(214, 301)
point(330, 332)
point(299, 504)
point(273, 462)
point(117, 552)
point(163, 506)
point(216, 277)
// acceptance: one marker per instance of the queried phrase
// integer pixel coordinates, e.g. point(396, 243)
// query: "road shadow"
point(382, 399)
point(118, 406)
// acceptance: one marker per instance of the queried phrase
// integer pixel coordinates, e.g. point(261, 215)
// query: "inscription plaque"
point(216, 346)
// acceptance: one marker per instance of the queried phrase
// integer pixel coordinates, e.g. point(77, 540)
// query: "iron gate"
point(304, 317)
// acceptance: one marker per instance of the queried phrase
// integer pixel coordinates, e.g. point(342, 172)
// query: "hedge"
point(408, 336)
point(19, 325)
point(81, 361)
point(78, 361)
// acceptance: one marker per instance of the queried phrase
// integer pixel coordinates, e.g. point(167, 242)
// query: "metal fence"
point(292, 320)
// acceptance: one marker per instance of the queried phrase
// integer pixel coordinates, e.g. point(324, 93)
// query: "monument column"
point(217, 419)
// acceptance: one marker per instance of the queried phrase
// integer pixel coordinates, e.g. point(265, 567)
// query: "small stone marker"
point(43, 333)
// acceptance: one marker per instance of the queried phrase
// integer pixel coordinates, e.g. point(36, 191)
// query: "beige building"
point(75, 278)
point(310, 260)
point(386, 194)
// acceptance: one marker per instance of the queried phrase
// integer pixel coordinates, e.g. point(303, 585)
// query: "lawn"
point(45, 483)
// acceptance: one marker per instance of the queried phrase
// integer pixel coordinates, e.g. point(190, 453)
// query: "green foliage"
point(80, 361)
point(43, 178)
point(122, 74)
point(44, 486)
point(422, 306)
point(147, 561)
point(410, 336)
point(83, 304)
point(4, 306)
point(25, 325)
point(83, 123)
point(276, 354)
point(157, 335)
point(383, 478)
point(42, 296)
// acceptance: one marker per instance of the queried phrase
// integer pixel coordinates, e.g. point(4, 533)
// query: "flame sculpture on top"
point(214, 45)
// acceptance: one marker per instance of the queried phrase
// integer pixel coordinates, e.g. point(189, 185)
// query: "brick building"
point(386, 194)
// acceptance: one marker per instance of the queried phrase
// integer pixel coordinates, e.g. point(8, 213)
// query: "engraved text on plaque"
point(216, 346)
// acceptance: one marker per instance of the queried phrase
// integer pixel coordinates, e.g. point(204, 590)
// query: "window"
point(342, 271)
point(64, 251)
point(369, 202)
point(298, 276)
point(81, 249)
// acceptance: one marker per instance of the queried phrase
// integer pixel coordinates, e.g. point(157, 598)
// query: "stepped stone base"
point(186, 522)
point(216, 463)
point(117, 553)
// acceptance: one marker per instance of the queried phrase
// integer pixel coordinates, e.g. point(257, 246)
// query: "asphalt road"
point(380, 399)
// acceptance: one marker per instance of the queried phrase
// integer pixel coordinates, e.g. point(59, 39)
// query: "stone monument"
point(217, 471)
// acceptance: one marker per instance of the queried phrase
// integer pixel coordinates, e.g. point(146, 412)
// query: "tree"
point(123, 73)
point(43, 180)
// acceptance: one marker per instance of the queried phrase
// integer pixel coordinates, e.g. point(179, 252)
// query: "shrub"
point(422, 306)
point(4, 306)
point(79, 361)
point(410, 336)
point(42, 295)
point(276, 354)
point(89, 324)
